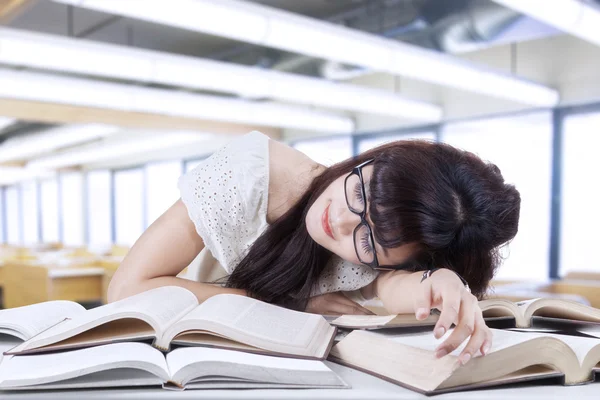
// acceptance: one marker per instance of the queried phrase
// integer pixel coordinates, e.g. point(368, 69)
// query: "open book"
point(25, 322)
point(22, 323)
point(172, 315)
point(514, 357)
point(138, 364)
point(542, 311)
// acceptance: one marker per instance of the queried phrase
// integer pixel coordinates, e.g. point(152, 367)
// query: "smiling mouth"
point(325, 222)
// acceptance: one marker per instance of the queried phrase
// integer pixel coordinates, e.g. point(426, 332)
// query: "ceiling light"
point(63, 54)
point(31, 145)
point(572, 16)
point(119, 148)
point(27, 85)
point(265, 26)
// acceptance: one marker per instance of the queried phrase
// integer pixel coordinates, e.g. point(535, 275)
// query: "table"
point(29, 284)
point(364, 386)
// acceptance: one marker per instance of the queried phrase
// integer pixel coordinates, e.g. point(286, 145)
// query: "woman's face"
point(331, 224)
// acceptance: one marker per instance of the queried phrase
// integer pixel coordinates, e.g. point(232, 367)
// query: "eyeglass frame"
point(363, 221)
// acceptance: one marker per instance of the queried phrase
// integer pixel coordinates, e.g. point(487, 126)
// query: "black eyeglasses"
point(356, 199)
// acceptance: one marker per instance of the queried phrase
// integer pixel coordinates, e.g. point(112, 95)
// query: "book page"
point(580, 345)
point(425, 340)
point(160, 307)
point(48, 368)
point(258, 319)
point(182, 357)
point(592, 330)
point(363, 320)
point(33, 319)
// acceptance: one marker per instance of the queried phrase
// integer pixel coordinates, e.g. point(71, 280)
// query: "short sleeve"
point(227, 196)
point(341, 275)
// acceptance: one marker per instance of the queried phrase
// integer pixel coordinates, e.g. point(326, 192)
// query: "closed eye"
point(358, 193)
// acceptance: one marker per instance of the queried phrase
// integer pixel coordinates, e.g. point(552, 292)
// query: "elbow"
point(113, 292)
point(117, 289)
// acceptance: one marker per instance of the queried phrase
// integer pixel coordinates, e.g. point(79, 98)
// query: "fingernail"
point(465, 358)
point(422, 313)
point(441, 353)
point(486, 348)
point(439, 332)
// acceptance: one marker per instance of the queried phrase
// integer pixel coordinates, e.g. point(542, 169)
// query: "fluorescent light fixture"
point(27, 85)
point(572, 16)
point(28, 146)
point(12, 175)
point(265, 26)
point(5, 122)
point(119, 148)
point(107, 60)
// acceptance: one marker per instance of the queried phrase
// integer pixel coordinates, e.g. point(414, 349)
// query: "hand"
point(445, 291)
point(335, 304)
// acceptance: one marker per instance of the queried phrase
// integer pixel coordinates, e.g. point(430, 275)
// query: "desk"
point(363, 387)
point(29, 284)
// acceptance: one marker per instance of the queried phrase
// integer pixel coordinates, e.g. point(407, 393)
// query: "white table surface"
point(364, 386)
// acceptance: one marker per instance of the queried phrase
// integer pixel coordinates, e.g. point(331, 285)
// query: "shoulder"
point(291, 173)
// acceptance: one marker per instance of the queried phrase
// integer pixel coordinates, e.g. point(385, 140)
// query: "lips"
point(325, 222)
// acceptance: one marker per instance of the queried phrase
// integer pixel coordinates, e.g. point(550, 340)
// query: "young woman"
point(415, 223)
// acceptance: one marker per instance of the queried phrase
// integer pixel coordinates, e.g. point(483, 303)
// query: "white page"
point(263, 320)
point(33, 319)
point(425, 340)
point(47, 368)
point(180, 358)
point(592, 330)
point(163, 306)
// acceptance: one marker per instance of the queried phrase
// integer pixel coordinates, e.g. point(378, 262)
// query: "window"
point(49, 198)
point(129, 205)
point(326, 151)
point(29, 204)
point(191, 164)
point(71, 186)
point(580, 215)
point(368, 143)
point(522, 148)
point(13, 216)
point(98, 209)
point(161, 188)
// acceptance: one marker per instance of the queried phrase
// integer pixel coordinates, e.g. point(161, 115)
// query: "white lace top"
point(227, 196)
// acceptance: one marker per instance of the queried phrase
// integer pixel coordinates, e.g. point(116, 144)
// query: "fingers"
point(349, 307)
point(422, 301)
point(471, 325)
point(335, 304)
point(451, 306)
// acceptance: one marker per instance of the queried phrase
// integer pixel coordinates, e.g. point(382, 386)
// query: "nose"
point(346, 221)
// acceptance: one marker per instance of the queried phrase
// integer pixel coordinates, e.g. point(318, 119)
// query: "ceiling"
point(448, 26)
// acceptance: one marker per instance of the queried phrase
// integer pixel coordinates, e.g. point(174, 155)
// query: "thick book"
point(409, 360)
point(139, 364)
point(535, 312)
point(171, 315)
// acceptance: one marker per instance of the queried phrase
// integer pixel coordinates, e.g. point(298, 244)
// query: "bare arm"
point(168, 246)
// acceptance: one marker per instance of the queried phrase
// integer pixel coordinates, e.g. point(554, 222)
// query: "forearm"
point(397, 290)
point(202, 290)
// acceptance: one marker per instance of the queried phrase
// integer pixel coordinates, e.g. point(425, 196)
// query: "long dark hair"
point(456, 207)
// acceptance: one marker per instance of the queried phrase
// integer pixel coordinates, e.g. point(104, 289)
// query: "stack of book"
point(164, 338)
point(543, 339)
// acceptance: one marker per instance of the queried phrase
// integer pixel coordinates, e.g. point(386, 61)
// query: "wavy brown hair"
point(456, 206)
